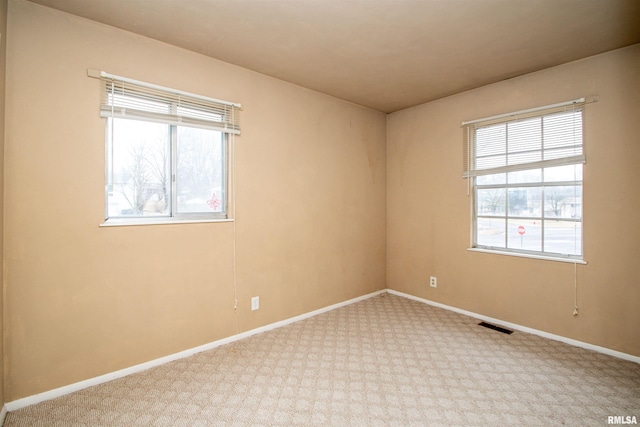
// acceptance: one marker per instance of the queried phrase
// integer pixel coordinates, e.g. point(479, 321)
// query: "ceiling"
point(383, 54)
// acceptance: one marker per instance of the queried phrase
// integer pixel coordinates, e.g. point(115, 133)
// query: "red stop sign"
point(521, 230)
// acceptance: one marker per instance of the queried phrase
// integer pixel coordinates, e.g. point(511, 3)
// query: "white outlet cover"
point(255, 303)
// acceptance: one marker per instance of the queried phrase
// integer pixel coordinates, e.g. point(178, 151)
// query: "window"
point(526, 174)
point(167, 153)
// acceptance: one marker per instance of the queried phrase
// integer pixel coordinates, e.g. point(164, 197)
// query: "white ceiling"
point(383, 54)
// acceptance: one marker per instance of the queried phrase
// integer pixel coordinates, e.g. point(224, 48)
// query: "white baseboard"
point(71, 388)
point(517, 327)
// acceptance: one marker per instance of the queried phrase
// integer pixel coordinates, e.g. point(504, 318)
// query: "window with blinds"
point(526, 172)
point(167, 153)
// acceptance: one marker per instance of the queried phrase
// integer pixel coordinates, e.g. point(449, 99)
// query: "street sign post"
point(521, 231)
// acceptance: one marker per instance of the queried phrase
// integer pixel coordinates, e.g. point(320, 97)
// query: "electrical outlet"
point(255, 303)
point(433, 282)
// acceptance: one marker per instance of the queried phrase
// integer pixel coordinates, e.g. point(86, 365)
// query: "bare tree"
point(158, 167)
point(199, 161)
point(492, 200)
point(556, 198)
point(135, 180)
point(145, 179)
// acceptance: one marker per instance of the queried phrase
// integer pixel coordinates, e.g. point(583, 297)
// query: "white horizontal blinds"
point(125, 98)
point(534, 139)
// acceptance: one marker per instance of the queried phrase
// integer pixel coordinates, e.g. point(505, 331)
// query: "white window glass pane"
point(498, 178)
point(138, 168)
point(525, 177)
point(563, 201)
point(491, 201)
point(490, 232)
point(525, 201)
point(563, 237)
point(563, 173)
point(200, 174)
point(524, 234)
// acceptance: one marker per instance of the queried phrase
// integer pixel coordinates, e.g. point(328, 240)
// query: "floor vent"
point(495, 328)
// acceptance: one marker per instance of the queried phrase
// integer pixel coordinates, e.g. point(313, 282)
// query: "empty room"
point(319, 213)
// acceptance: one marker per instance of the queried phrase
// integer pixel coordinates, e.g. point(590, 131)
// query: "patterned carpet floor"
point(385, 361)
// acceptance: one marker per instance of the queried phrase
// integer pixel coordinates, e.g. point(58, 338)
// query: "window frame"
point(473, 175)
point(542, 218)
point(224, 188)
point(128, 99)
point(173, 215)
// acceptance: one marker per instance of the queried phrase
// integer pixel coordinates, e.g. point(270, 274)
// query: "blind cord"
point(469, 142)
point(469, 185)
point(575, 237)
point(235, 217)
point(111, 149)
point(575, 288)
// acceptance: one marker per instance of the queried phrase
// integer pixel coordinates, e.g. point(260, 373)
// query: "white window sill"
point(521, 255)
point(125, 222)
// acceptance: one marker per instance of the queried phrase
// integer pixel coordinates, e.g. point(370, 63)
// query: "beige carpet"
point(386, 361)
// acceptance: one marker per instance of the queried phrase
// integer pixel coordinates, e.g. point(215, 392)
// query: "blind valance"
point(127, 98)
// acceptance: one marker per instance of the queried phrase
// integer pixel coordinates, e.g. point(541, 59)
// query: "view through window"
point(162, 170)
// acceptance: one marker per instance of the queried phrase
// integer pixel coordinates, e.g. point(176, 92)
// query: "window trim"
point(528, 255)
point(127, 222)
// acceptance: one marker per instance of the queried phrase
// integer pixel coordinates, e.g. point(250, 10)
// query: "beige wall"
point(3, 51)
point(323, 196)
point(428, 208)
point(82, 300)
